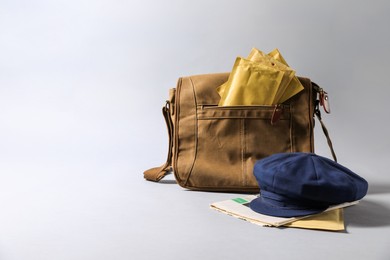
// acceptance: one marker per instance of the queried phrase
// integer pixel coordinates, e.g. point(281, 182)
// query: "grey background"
point(81, 88)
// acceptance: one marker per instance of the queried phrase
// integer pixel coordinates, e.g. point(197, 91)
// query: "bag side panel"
point(184, 130)
point(302, 111)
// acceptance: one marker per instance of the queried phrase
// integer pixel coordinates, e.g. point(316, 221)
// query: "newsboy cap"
point(299, 184)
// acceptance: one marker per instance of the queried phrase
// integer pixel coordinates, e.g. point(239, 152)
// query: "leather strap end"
point(156, 173)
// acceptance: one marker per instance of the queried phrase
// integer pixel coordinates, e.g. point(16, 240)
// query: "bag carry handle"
point(157, 173)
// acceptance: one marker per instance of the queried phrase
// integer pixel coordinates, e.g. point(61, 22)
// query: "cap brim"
point(263, 207)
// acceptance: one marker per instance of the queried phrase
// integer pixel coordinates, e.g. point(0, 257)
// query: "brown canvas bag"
point(214, 148)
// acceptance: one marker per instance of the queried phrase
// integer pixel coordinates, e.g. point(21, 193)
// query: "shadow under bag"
point(214, 148)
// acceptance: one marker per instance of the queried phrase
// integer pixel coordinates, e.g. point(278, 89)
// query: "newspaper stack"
point(331, 219)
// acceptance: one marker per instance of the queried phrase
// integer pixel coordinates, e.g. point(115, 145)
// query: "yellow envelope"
point(332, 220)
point(252, 83)
point(295, 86)
point(287, 83)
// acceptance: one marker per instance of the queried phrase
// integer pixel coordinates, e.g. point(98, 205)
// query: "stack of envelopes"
point(261, 79)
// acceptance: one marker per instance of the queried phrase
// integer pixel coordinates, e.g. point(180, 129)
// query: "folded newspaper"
point(239, 208)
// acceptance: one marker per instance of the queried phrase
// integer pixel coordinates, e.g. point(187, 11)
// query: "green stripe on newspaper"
point(240, 200)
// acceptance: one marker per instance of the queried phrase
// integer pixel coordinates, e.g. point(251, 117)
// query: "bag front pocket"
point(231, 139)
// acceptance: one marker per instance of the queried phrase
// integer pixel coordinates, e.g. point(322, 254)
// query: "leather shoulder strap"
point(317, 112)
point(157, 173)
point(326, 133)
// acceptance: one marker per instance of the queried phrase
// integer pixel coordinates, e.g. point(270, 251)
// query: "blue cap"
point(300, 184)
